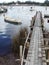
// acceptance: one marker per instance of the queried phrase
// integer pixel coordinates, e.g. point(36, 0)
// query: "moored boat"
point(3, 10)
point(11, 20)
point(46, 22)
point(46, 16)
point(31, 9)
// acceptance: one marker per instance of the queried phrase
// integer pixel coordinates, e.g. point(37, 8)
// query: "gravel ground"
point(9, 60)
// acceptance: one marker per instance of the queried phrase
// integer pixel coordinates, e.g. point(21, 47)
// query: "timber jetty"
point(36, 52)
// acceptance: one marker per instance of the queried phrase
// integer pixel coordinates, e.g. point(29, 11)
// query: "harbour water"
point(19, 12)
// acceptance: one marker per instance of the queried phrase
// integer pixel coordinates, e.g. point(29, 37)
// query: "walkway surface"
point(34, 53)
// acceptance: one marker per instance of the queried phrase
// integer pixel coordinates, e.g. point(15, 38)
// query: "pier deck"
point(34, 56)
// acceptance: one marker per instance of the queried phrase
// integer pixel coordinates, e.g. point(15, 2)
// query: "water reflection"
point(12, 29)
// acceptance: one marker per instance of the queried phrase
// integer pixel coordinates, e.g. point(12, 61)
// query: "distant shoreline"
point(27, 3)
point(24, 5)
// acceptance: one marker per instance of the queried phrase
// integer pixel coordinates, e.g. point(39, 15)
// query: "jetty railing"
point(22, 59)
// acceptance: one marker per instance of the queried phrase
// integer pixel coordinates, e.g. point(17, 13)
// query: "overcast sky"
point(21, 0)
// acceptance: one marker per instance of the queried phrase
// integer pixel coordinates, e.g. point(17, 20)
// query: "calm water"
point(22, 13)
point(19, 12)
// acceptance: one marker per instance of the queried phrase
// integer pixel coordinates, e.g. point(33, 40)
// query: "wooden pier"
point(36, 52)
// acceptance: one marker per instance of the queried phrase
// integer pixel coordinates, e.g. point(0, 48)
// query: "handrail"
point(22, 60)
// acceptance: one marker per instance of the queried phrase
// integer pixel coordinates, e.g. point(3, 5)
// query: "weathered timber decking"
point(35, 56)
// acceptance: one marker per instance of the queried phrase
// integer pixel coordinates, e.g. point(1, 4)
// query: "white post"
point(20, 52)
point(46, 42)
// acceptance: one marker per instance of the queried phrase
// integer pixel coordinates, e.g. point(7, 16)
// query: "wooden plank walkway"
point(34, 55)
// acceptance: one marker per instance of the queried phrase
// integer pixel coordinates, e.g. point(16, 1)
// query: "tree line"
point(46, 3)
